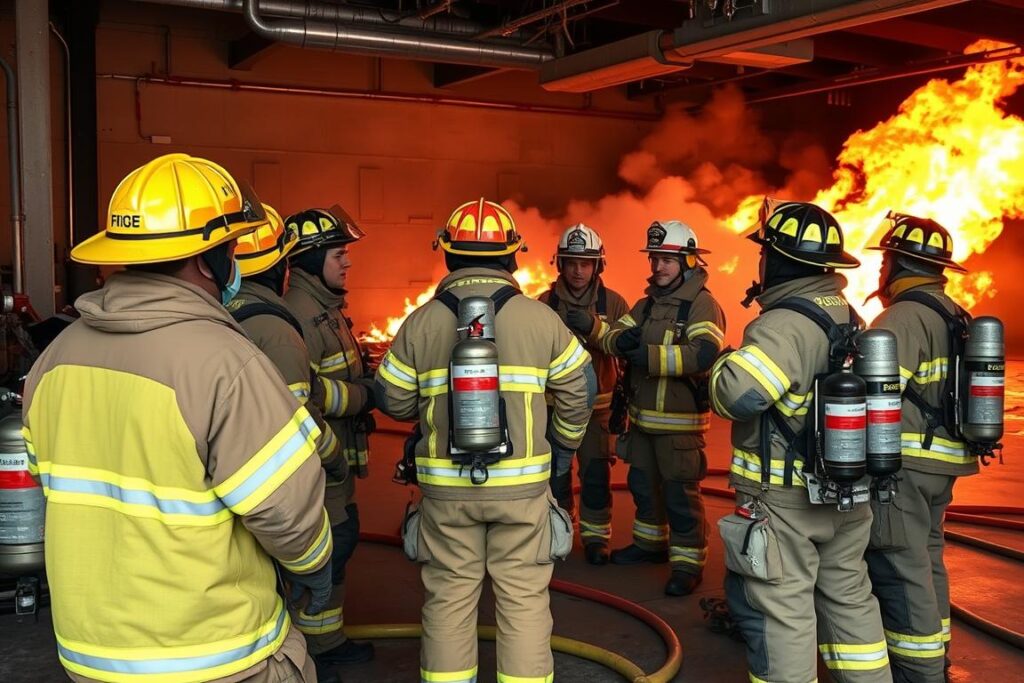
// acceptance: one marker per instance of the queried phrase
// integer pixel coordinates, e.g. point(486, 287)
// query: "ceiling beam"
point(914, 32)
point(857, 49)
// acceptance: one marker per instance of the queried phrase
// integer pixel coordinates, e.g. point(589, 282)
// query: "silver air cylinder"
point(843, 420)
point(22, 506)
point(985, 367)
point(476, 425)
point(877, 363)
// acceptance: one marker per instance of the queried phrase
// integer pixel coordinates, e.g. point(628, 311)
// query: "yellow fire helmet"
point(480, 228)
point(261, 250)
point(173, 207)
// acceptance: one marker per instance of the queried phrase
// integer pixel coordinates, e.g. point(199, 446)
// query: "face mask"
point(230, 290)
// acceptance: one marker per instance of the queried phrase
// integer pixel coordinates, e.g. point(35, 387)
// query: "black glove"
point(371, 398)
point(318, 584)
point(637, 357)
point(580, 321)
point(628, 340)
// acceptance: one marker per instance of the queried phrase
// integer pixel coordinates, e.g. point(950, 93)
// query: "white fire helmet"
point(580, 241)
point(675, 238)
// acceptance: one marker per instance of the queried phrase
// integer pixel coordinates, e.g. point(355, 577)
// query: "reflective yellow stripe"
point(748, 466)
point(944, 450)
point(713, 390)
point(318, 551)
point(464, 676)
point(358, 457)
point(176, 664)
point(397, 373)
point(522, 378)
point(929, 372)
point(627, 321)
point(528, 413)
point(659, 401)
point(31, 460)
point(670, 422)
point(328, 621)
point(336, 396)
point(947, 630)
point(431, 430)
point(916, 647)
point(570, 431)
point(707, 328)
point(650, 532)
point(512, 472)
point(433, 382)
point(300, 390)
point(338, 361)
point(271, 465)
point(592, 530)
point(505, 678)
point(572, 358)
point(327, 444)
point(678, 554)
point(854, 657)
point(762, 369)
point(131, 496)
point(792, 404)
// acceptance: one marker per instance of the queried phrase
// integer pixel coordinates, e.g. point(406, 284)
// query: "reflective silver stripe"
point(338, 360)
point(662, 418)
point(432, 382)
point(755, 468)
point(874, 656)
point(398, 372)
point(172, 665)
point(687, 555)
point(129, 496)
point(427, 678)
point(295, 443)
point(493, 472)
point(568, 362)
point(300, 394)
point(599, 530)
point(670, 361)
point(513, 378)
point(765, 371)
point(794, 405)
point(936, 447)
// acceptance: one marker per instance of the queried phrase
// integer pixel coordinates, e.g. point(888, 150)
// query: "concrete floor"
point(385, 589)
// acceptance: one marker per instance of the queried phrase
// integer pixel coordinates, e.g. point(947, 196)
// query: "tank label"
point(985, 403)
point(884, 423)
point(14, 462)
point(475, 399)
point(475, 377)
point(845, 432)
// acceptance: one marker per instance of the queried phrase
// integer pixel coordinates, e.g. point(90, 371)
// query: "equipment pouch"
point(561, 532)
point(411, 534)
point(751, 548)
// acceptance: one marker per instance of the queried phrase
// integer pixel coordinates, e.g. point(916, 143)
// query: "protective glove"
point(371, 398)
point(637, 357)
point(561, 456)
point(580, 321)
point(629, 339)
point(317, 583)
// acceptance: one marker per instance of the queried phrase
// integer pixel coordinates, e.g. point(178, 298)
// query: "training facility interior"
point(609, 112)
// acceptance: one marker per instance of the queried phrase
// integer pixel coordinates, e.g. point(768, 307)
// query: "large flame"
point(950, 153)
point(533, 280)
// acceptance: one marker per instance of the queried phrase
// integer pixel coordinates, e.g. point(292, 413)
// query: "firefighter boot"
point(349, 652)
point(596, 553)
point(634, 554)
point(682, 583)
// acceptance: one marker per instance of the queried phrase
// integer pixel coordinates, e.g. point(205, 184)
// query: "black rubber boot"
point(349, 652)
point(596, 553)
point(681, 583)
point(634, 554)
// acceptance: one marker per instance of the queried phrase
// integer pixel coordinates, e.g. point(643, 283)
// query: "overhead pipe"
point(656, 53)
point(374, 42)
point(335, 13)
point(514, 25)
point(14, 170)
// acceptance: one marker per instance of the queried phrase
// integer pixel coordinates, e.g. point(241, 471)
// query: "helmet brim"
point(676, 252)
point(841, 260)
point(947, 263)
point(256, 264)
point(501, 250)
point(103, 250)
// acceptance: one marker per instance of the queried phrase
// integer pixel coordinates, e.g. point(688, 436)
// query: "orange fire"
point(950, 153)
point(533, 280)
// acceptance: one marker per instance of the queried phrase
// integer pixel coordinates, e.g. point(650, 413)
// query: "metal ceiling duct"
point(657, 53)
point(358, 30)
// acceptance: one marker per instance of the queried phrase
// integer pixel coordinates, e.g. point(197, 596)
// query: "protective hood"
point(132, 302)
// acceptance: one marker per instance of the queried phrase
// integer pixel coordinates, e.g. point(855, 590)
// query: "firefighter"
point(812, 573)
point(176, 464)
point(316, 298)
point(262, 313)
point(669, 341)
point(503, 526)
point(582, 301)
point(905, 554)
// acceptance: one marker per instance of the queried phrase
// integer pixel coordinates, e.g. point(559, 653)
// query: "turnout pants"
point(664, 477)
point(909, 576)
point(460, 541)
point(820, 597)
point(594, 469)
point(324, 631)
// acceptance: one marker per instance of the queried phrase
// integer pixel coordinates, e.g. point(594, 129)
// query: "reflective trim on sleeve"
point(762, 369)
point(396, 372)
point(707, 328)
point(318, 551)
point(573, 357)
